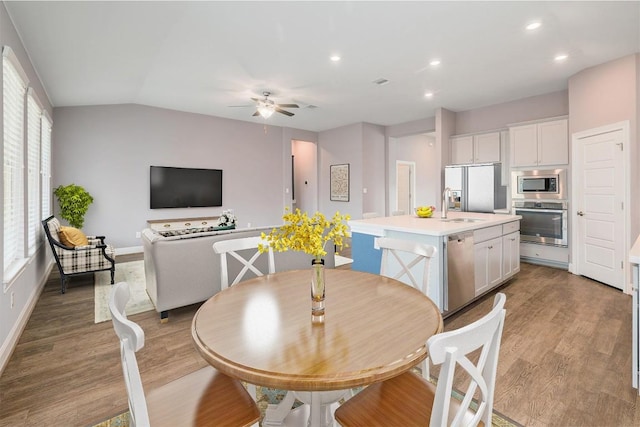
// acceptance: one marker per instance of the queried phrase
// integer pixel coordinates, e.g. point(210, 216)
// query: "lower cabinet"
point(488, 260)
point(510, 254)
point(496, 255)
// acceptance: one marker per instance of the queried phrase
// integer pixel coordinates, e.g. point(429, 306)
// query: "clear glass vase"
point(317, 289)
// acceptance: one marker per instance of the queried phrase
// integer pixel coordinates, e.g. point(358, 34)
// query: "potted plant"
point(74, 202)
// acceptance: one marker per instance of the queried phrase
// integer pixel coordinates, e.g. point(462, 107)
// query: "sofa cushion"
point(72, 237)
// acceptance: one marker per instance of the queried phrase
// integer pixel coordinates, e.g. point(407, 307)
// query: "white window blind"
point(45, 166)
point(14, 88)
point(34, 116)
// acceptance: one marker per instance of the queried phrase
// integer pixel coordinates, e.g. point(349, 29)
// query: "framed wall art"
point(339, 183)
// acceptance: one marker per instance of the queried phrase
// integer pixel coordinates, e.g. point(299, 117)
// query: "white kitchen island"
point(496, 246)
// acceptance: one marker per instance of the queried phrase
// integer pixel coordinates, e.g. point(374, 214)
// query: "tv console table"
point(182, 223)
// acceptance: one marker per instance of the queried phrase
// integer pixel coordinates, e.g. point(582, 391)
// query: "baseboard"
point(14, 335)
point(129, 250)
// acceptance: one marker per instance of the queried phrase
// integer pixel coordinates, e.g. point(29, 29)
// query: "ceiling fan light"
point(266, 110)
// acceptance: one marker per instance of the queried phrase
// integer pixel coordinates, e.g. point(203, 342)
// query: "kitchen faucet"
point(446, 194)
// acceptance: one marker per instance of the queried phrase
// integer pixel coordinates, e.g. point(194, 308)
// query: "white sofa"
point(183, 269)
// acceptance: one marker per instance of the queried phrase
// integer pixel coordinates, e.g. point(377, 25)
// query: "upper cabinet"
point(540, 144)
point(481, 148)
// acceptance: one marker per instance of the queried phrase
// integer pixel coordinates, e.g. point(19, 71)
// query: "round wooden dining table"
point(261, 331)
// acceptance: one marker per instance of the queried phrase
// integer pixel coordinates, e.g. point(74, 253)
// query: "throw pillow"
point(73, 237)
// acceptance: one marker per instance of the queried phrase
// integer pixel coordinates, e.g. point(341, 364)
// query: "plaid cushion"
point(85, 258)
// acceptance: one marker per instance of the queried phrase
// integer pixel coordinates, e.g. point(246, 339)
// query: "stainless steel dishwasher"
point(460, 287)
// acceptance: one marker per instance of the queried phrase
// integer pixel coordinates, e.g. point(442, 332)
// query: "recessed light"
point(533, 26)
point(560, 57)
point(335, 58)
point(434, 62)
point(428, 95)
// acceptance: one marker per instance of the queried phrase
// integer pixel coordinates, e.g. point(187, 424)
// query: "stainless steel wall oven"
point(542, 222)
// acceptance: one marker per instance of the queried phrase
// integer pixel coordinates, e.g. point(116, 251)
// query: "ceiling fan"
point(265, 107)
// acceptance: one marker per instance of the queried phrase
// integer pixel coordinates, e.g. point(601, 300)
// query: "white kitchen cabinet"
point(510, 254)
point(488, 264)
point(481, 148)
point(540, 144)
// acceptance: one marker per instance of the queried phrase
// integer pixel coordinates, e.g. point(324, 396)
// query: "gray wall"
point(108, 150)
point(521, 110)
point(606, 94)
point(28, 284)
point(373, 169)
point(421, 150)
point(340, 146)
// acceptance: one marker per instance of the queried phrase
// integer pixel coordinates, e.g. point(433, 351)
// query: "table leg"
point(320, 402)
point(275, 414)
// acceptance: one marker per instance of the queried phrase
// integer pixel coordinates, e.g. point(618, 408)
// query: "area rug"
point(266, 396)
point(340, 260)
point(130, 272)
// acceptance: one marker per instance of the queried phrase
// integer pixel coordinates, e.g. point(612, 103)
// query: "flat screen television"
point(185, 187)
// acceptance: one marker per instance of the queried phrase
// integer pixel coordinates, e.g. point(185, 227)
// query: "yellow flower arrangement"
point(301, 232)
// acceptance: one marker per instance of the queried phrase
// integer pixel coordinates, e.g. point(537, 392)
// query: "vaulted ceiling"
point(205, 57)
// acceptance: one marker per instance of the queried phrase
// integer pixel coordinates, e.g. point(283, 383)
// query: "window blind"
point(45, 165)
point(14, 87)
point(34, 122)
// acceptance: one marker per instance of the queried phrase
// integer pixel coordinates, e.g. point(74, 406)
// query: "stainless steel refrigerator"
point(475, 188)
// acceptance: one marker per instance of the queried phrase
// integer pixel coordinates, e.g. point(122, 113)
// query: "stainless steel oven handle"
point(559, 211)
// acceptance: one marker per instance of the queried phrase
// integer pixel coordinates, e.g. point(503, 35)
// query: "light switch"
point(364, 190)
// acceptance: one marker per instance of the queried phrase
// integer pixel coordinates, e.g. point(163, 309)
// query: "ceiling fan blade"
point(281, 111)
point(257, 113)
point(255, 99)
point(288, 105)
point(247, 105)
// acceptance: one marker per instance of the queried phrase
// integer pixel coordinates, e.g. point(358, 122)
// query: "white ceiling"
point(206, 56)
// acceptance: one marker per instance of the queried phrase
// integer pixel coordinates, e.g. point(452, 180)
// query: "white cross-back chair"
point(231, 247)
point(408, 399)
point(392, 249)
point(392, 253)
point(203, 398)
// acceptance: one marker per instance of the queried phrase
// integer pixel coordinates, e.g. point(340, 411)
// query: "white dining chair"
point(232, 247)
point(204, 397)
point(409, 399)
point(419, 254)
point(419, 259)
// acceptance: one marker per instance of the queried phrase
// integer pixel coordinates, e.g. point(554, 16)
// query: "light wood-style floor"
point(565, 358)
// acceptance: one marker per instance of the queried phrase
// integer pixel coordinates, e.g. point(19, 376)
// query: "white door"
point(598, 212)
point(404, 187)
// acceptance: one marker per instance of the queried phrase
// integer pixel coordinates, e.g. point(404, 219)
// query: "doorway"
point(405, 186)
point(599, 213)
point(304, 168)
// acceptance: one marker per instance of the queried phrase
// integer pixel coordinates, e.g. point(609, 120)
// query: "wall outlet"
point(13, 299)
point(138, 235)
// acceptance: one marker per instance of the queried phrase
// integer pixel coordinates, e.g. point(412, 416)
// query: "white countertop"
point(634, 253)
point(433, 226)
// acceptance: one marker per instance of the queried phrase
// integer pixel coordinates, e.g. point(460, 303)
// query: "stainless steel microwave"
point(539, 184)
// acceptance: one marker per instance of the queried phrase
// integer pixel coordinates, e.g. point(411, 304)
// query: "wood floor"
point(565, 358)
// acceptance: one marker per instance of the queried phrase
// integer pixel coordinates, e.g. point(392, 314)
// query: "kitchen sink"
point(462, 220)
